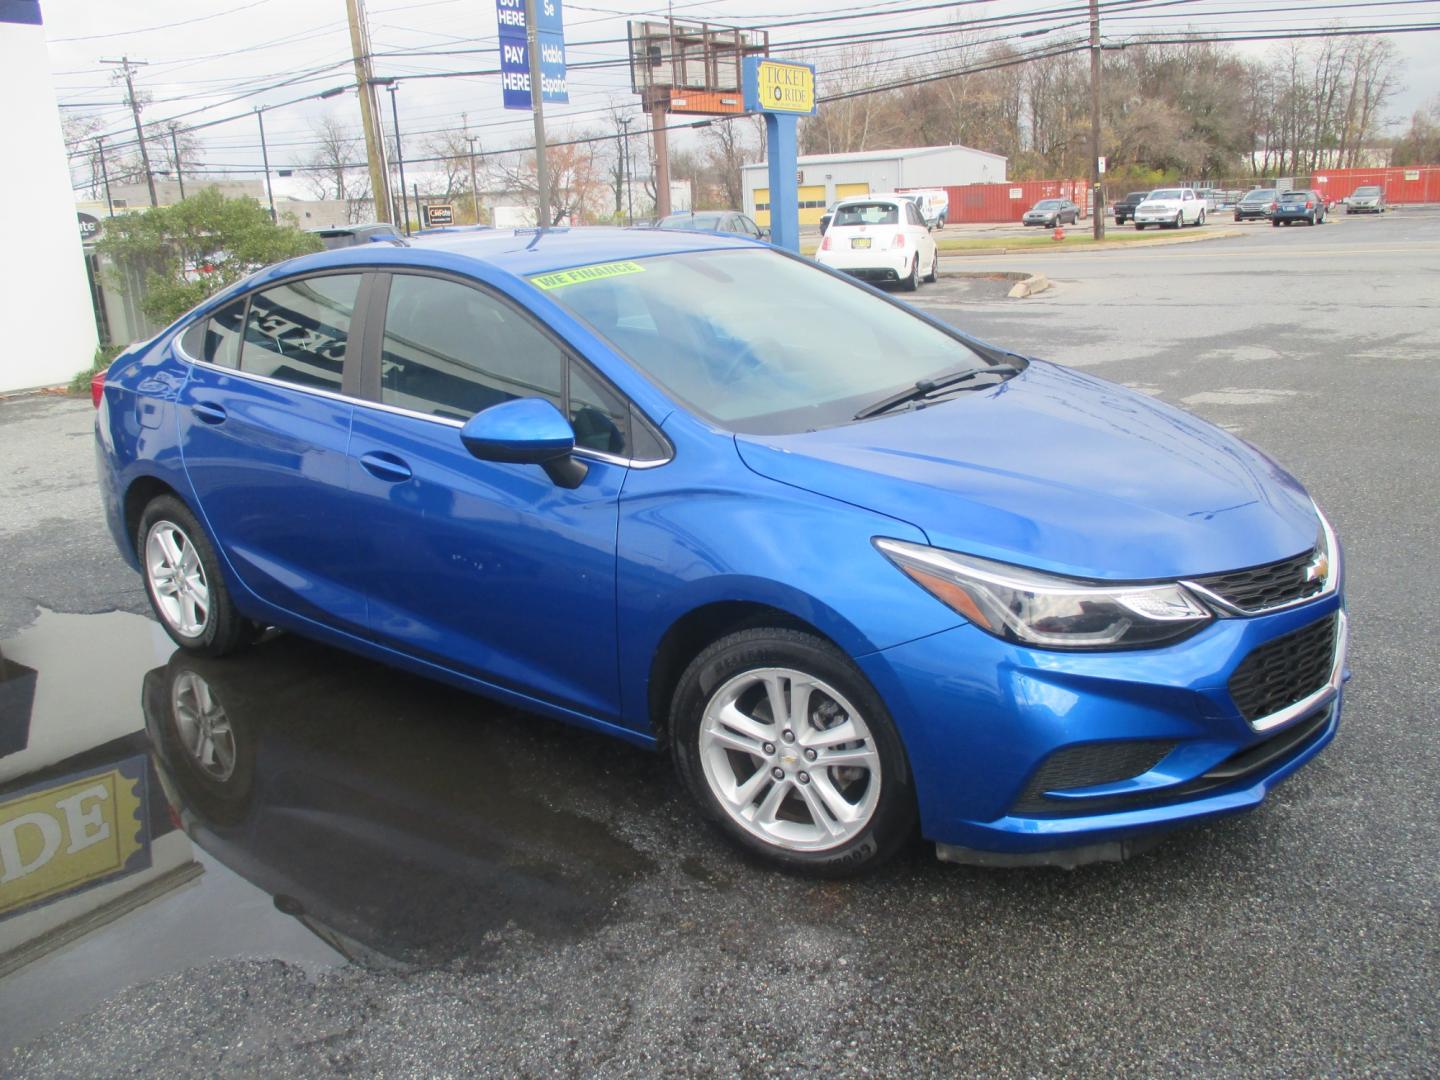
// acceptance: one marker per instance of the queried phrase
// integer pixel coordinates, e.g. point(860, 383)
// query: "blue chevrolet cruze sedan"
point(857, 571)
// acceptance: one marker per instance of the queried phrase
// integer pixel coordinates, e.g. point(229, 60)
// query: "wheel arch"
point(689, 635)
point(143, 490)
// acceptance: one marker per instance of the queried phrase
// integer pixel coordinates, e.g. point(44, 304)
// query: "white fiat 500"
point(1170, 208)
point(880, 238)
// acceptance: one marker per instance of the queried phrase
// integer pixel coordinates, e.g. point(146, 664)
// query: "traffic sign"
point(515, 53)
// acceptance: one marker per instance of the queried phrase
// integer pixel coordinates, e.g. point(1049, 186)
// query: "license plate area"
point(860, 243)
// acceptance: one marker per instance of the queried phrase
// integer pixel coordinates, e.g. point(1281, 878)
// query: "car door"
point(264, 429)
point(487, 567)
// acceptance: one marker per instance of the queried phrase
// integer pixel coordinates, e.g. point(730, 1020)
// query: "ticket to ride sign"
point(71, 834)
point(779, 86)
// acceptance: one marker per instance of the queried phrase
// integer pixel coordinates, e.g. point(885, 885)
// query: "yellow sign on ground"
point(783, 87)
point(71, 834)
point(586, 273)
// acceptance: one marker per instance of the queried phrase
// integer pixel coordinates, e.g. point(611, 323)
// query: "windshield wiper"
point(926, 388)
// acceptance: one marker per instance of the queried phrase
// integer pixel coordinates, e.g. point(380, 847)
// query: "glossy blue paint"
point(527, 431)
point(379, 531)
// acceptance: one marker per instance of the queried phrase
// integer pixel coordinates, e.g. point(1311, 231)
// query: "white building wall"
point(45, 304)
point(953, 167)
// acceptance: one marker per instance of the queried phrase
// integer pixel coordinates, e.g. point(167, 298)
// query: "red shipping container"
point(1402, 184)
point(1007, 202)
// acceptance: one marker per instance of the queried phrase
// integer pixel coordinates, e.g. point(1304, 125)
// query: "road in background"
point(1300, 940)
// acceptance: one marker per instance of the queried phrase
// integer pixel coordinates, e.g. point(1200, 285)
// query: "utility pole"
point(1097, 197)
point(474, 189)
point(104, 172)
point(537, 107)
point(265, 157)
point(662, 159)
point(392, 86)
point(127, 66)
point(374, 149)
point(175, 148)
point(629, 180)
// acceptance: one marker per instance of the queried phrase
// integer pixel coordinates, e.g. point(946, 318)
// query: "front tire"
point(183, 581)
point(784, 744)
point(1139, 227)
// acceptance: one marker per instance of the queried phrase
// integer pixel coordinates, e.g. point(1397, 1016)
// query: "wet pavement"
point(365, 873)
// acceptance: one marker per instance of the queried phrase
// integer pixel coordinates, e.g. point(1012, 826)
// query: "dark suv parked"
point(1255, 204)
point(1125, 208)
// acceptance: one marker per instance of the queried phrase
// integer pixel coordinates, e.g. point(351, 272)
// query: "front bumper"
point(1156, 217)
point(980, 718)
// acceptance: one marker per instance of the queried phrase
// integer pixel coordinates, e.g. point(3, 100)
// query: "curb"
point(1026, 283)
point(1035, 283)
point(1159, 241)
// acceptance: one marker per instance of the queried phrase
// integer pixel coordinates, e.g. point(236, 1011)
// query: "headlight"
point(1047, 610)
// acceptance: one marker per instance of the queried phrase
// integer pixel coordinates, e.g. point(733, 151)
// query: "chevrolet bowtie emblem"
point(1318, 570)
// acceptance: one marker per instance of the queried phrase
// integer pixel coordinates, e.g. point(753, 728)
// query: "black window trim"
point(368, 392)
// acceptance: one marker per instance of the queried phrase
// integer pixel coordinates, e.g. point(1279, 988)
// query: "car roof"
point(521, 252)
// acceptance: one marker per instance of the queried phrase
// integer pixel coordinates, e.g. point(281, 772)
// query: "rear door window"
point(297, 332)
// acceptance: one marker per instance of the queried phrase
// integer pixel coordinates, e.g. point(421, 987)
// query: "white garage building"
point(824, 178)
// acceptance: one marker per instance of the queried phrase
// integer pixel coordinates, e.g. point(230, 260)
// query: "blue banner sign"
point(515, 54)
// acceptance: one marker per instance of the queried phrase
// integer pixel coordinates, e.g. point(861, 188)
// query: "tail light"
point(97, 388)
point(898, 242)
point(825, 244)
point(1274, 206)
point(1309, 205)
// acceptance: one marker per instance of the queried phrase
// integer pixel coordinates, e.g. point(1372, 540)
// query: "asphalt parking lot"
point(429, 886)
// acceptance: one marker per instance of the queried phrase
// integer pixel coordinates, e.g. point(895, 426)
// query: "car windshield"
point(690, 222)
point(1049, 204)
point(1137, 196)
point(757, 341)
point(1367, 192)
point(1166, 193)
point(867, 214)
point(1263, 195)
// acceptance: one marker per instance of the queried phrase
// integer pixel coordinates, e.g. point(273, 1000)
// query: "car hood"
point(1060, 471)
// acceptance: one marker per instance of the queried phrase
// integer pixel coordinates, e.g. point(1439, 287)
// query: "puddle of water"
point(159, 811)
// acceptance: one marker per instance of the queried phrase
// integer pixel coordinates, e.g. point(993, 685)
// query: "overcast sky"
point(203, 52)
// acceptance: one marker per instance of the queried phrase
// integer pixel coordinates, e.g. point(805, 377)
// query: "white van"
point(933, 204)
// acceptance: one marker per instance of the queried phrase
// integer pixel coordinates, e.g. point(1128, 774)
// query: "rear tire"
point(751, 722)
point(911, 283)
point(184, 583)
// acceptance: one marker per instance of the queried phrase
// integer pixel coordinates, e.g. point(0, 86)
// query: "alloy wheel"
point(202, 727)
point(789, 759)
point(177, 579)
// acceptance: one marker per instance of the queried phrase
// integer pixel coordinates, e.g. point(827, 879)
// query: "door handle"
point(385, 466)
point(209, 412)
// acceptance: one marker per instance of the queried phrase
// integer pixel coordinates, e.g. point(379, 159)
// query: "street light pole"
point(537, 107)
point(474, 189)
point(265, 157)
point(392, 86)
point(175, 147)
point(1096, 195)
point(105, 173)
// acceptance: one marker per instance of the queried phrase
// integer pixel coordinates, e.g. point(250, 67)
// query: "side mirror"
point(526, 431)
point(764, 234)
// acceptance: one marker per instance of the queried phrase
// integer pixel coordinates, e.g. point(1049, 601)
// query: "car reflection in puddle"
point(400, 822)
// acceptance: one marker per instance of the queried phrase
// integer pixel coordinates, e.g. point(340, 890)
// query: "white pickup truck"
point(1170, 208)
